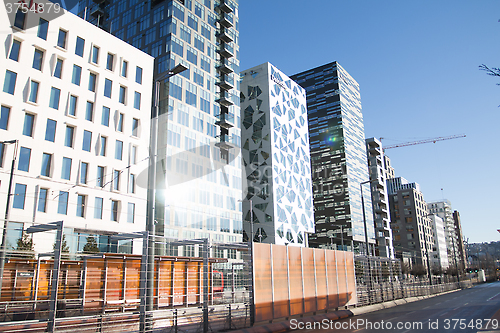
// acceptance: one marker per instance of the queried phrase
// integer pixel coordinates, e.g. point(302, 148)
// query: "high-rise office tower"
point(199, 124)
point(460, 239)
point(380, 201)
point(338, 158)
point(276, 157)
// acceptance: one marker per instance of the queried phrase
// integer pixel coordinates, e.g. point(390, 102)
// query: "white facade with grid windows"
point(78, 101)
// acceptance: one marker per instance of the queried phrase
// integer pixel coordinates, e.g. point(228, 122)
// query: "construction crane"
point(433, 140)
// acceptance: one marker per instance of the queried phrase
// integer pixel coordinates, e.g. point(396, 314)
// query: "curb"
point(335, 315)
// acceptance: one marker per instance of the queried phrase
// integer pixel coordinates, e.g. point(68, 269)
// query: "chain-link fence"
point(380, 279)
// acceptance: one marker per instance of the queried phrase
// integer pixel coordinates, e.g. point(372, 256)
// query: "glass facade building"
point(338, 158)
point(276, 157)
point(199, 122)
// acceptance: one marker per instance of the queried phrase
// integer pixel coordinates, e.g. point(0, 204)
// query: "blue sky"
point(417, 66)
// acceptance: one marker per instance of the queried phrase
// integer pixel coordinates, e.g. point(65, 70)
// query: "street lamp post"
point(151, 195)
point(366, 239)
point(7, 209)
point(427, 252)
point(250, 240)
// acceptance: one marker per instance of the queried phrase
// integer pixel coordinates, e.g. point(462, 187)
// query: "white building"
point(78, 101)
point(440, 253)
point(275, 148)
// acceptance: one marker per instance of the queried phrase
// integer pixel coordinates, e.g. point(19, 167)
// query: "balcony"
point(224, 66)
point(226, 82)
point(225, 36)
point(225, 120)
point(226, 20)
point(223, 7)
point(225, 50)
point(225, 142)
point(224, 98)
point(97, 12)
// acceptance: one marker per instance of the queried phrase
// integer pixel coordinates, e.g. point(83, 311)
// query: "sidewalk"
point(334, 315)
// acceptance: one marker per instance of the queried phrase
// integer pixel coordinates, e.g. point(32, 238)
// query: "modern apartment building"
point(378, 184)
point(443, 209)
point(77, 100)
point(439, 257)
point(199, 123)
point(338, 158)
point(276, 157)
point(411, 226)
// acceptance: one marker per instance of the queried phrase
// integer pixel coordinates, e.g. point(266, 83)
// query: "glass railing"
point(226, 117)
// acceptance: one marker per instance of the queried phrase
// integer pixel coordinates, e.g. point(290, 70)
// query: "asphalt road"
point(466, 311)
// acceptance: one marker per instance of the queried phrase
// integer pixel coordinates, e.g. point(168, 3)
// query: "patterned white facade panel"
point(275, 147)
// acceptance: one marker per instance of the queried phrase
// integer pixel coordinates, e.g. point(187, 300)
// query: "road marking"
point(489, 299)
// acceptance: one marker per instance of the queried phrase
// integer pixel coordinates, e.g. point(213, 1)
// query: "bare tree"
point(493, 71)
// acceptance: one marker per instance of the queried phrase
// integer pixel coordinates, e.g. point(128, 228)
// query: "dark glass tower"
point(338, 158)
point(199, 123)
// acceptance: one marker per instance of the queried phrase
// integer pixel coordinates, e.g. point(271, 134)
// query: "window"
point(33, 97)
point(42, 200)
point(62, 207)
point(19, 19)
point(92, 81)
point(114, 210)
point(100, 176)
point(80, 205)
point(4, 117)
point(95, 54)
point(130, 212)
point(61, 39)
point(38, 59)
point(24, 159)
point(80, 45)
point(46, 164)
point(55, 94)
point(43, 27)
point(102, 144)
point(9, 84)
point(66, 168)
point(69, 135)
point(19, 196)
point(116, 180)
point(119, 125)
point(14, 50)
point(50, 130)
point(77, 75)
point(122, 97)
point(109, 61)
point(107, 87)
point(89, 112)
point(2, 151)
point(135, 127)
point(87, 140)
point(192, 21)
point(138, 75)
point(131, 183)
point(105, 116)
point(137, 100)
point(58, 68)
point(133, 155)
point(84, 171)
point(73, 101)
point(118, 150)
point(98, 208)
point(29, 121)
point(124, 68)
